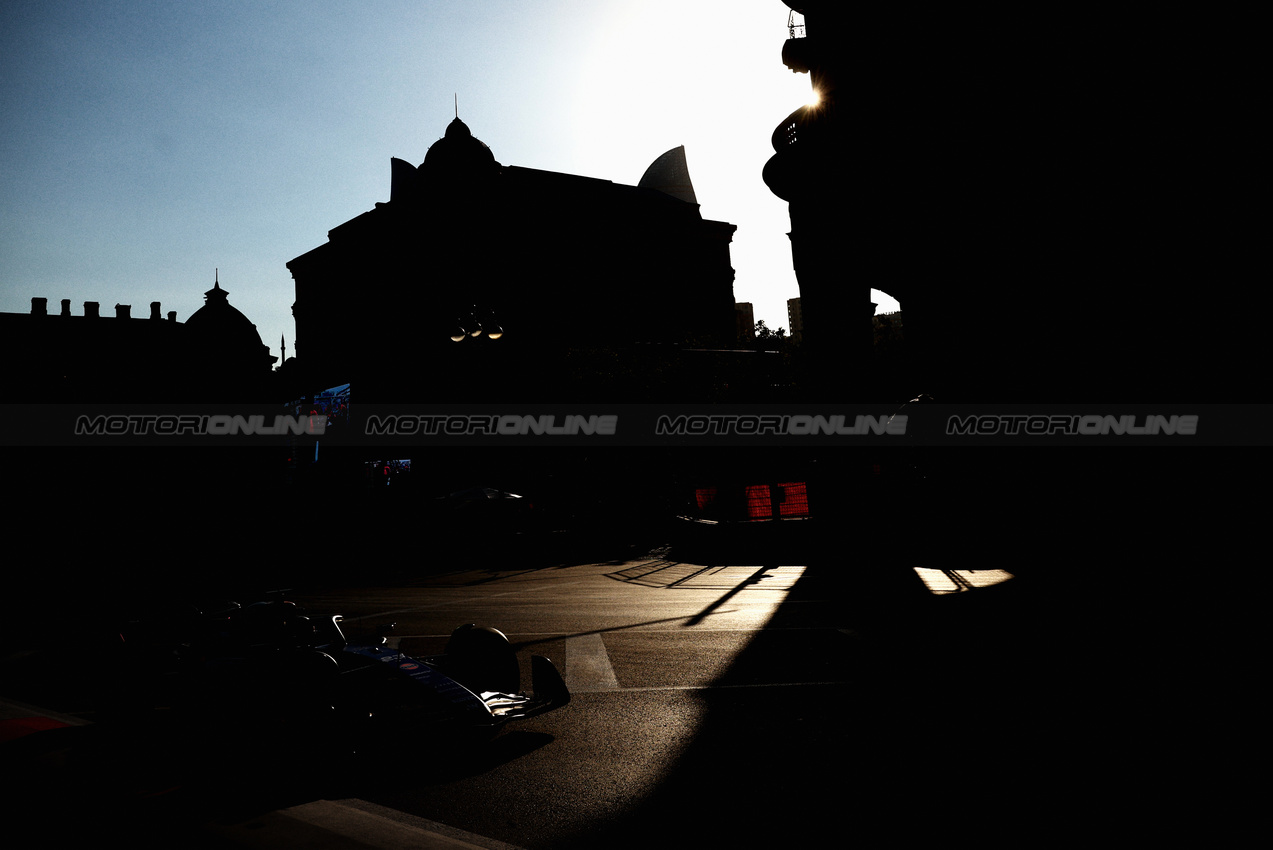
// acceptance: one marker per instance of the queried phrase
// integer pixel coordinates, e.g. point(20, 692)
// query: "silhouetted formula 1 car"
point(275, 670)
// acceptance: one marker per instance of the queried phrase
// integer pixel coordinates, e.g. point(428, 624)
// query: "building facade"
point(795, 320)
point(810, 170)
point(746, 315)
point(216, 355)
point(482, 281)
point(1032, 165)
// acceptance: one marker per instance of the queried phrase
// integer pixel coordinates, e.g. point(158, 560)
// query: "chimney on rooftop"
point(123, 311)
point(66, 306)
point(39, 306)
point(154, 310)
point(90, 309)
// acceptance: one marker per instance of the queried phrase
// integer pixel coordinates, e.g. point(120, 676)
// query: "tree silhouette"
point(771, 337)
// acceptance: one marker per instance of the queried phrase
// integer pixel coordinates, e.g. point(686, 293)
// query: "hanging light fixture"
point(474, 327)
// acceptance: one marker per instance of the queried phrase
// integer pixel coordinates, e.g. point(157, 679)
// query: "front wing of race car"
point(548, 692)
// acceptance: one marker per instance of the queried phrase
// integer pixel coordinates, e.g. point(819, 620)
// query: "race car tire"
point(481, 659)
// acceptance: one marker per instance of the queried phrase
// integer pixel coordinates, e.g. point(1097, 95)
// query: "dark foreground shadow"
point(1008, 712)
point(158, 784)
point(1059, 703)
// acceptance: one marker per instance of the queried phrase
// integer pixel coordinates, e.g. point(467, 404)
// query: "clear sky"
point(146, 144)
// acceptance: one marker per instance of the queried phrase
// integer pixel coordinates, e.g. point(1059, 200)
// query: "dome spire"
point(216, 293)
point(458, 155)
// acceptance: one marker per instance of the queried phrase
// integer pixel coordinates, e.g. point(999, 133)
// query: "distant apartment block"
point(746, 317)
point(795, 319)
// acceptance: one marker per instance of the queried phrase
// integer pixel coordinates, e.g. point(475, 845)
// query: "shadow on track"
point(1025, 708)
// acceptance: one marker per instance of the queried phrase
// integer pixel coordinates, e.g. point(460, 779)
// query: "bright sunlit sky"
point(147, 144)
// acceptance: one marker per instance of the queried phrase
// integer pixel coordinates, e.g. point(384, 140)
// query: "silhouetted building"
point(795, 320)
point(1037, 163)
point(746, 322)
point(215, 355)
point(482, 281)
point(809, 170)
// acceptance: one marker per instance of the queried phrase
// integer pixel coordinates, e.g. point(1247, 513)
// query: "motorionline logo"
point(777, 425)
point(1070, 425)
point(457, 425)
point(200, 425)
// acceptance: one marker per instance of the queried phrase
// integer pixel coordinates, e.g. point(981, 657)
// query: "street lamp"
point(473, 327)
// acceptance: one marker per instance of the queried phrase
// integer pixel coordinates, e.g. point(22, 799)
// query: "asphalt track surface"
point(1097, 692)
point(731, 704)
point(694, 688)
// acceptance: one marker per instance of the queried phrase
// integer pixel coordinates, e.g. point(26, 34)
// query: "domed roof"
point(216, 318)
point(670, 175)
point(458, 149)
